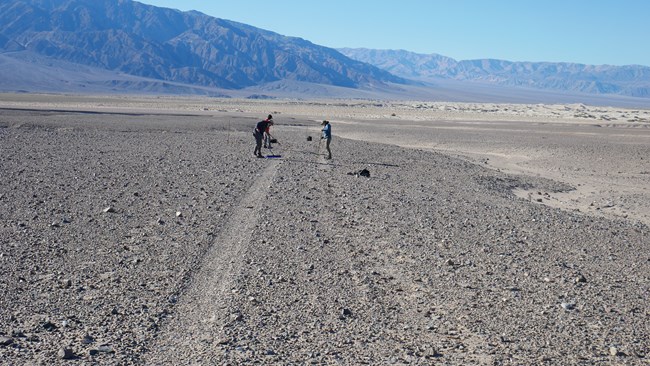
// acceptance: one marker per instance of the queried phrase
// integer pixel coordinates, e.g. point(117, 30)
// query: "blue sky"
point(596, 32)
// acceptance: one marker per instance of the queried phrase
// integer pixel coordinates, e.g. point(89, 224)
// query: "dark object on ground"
point(273, 156)
point(274, 141)
point(361, 173)
point(308, 138)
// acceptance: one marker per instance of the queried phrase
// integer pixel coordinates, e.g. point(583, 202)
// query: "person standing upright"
point(327, 135)
point(258, 133)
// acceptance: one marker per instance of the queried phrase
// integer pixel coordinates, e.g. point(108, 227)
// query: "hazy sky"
point(596, 32)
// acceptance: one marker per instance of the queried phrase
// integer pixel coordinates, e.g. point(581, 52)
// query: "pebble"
point(109, 209)
point(568, 306)
point(5, 341)
point(66, 354)
point(613, 351)
point(105, 348)
point(49, 326)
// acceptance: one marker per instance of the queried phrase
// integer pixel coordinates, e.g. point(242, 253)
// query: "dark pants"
point(258, 142)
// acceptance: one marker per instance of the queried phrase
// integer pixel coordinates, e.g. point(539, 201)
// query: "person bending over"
point(258, 133)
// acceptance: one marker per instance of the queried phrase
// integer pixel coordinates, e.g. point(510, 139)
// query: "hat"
point(325, 122)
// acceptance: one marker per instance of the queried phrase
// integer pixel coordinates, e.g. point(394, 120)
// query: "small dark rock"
point(5, 341)
point(364, 173)
point(49, 326)
point(361, 173)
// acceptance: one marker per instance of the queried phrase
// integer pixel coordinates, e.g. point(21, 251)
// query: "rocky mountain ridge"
point(629, 80)
point(167, 44)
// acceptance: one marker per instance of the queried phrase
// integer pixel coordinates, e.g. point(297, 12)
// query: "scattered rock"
point(361, 173)
point(109, 209)
point(412, 297)
point(49, 326)
point(66, 354)
point(568, 306)
point(105, 348)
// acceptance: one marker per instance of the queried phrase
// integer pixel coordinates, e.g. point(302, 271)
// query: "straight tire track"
point(191, 336)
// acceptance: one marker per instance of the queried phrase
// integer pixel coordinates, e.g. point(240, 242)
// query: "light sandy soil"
point(140, 230)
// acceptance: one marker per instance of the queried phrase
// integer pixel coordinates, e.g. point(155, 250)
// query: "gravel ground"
point(135, 238)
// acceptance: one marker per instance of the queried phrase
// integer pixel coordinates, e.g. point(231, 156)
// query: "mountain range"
point(631, 80)
point(124, 46)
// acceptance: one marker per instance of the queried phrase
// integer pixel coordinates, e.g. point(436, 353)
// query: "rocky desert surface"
point(142, 231)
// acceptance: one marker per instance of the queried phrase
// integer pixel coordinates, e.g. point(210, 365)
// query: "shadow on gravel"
point(313, 162)
point(380, 164)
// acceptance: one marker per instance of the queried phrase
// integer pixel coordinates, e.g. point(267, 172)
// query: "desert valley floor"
point(142, 231)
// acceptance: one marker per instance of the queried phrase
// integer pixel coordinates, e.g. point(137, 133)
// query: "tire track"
point(191, 336)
